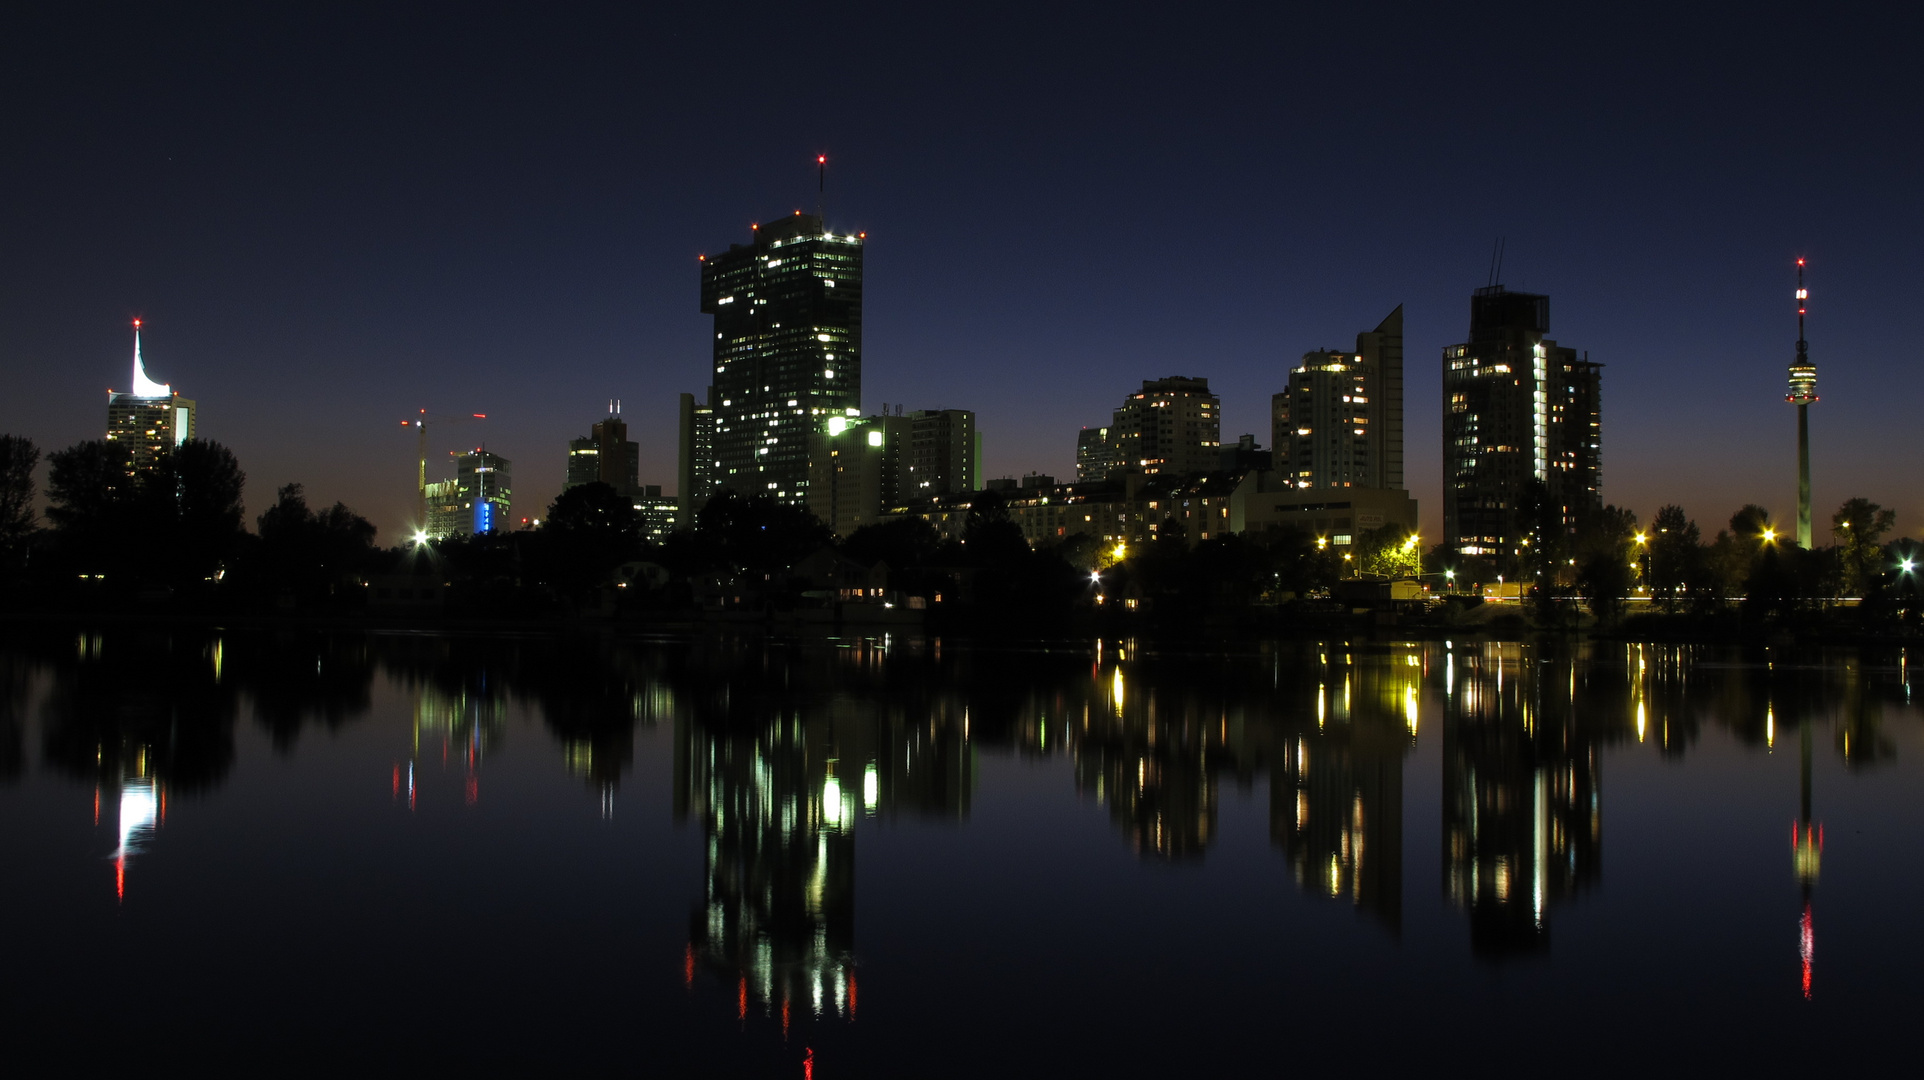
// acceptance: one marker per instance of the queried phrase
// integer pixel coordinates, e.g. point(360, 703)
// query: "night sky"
point(330, 217)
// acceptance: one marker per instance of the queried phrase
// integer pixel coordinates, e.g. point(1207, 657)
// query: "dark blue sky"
point(330, 218)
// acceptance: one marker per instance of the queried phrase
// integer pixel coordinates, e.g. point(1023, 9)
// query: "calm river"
point(879, 857)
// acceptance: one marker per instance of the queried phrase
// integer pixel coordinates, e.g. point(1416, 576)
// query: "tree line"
point(176, 533)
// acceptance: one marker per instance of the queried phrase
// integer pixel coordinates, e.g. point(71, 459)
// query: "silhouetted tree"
point(91, 503)
point(190, 509)
point(905, 541)
point(317, 557)
point(1859, 527)
point(18, 456)
point(1676, 554)
point(1604, 550)
point(757, 536)
point(590, 529)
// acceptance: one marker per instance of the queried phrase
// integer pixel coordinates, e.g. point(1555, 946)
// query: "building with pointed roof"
point(151, 418)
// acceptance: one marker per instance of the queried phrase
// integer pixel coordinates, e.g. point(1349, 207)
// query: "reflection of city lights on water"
point(832, 800)
point(1806, 946)
point(138, 808)
point(871, 788)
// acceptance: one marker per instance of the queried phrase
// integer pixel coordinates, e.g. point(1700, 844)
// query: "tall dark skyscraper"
point(606, 456)
point(788, 350)
point(1521, 431)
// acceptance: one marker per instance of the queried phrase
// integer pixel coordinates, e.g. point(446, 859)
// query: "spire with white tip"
point(144, 386)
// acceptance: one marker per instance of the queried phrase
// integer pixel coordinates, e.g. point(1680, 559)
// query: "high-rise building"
point(1096, 454)
point(149, 419)
point(1340, 422)
point(1171, 425)
point(1521, 430)
point(606, 455)
point(857, 469)
point(475, 501)
point(788, 350)
point(658, 515)
point(945, 454)
point(695, 464)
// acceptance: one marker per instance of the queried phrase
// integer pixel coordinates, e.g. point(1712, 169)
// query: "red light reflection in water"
point(397, 782)
point(741, 999)
point(851, 997)
point(120, 878)
point(784, 1018)
point(96, 807)
point(808, 1063)
point(1806, 946)
point(688, 965)
point(474, 790)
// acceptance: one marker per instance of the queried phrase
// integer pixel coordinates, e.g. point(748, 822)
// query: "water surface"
point(901, 857)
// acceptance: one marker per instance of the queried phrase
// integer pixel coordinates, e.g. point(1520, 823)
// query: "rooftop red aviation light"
point(136, 324)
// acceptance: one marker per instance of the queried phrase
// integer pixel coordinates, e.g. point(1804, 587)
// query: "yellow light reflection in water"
point(1115, 690)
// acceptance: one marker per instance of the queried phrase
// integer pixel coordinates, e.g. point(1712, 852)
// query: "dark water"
point(894, 857)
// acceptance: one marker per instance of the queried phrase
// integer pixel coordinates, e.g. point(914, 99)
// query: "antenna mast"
point(821, 188)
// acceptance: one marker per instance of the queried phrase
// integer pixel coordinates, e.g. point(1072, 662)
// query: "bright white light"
point(837, 425)
point(832, 808)
point(144, 386)
point(138, 807)
point(875, 438)
point(420, 536)
point(871, 787)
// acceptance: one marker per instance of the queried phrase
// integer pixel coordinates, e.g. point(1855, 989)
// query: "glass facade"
point(1522, 434)
point(787, 350)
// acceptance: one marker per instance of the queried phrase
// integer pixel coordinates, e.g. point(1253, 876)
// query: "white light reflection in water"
point(139, 806)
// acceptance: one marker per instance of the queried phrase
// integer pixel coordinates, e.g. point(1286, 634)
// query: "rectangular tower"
point(1340, 422)
point(695, 459)
point(1096, 454)
point(476, 501)
point(1522, 432)
point(787, 350)
point(857, 469)
point(945, 453)
point(606, 456)
point(1171, 425)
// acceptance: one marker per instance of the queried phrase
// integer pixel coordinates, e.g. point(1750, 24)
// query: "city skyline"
point(517, 288)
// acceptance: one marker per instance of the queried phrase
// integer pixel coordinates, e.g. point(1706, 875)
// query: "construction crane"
point(420, 425)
